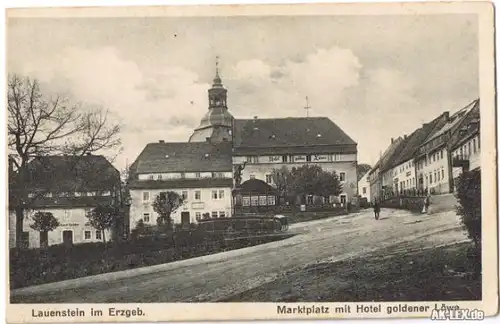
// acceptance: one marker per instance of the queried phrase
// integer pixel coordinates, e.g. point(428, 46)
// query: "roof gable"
point(288, 132)
point(184, 157)
point(71, 173)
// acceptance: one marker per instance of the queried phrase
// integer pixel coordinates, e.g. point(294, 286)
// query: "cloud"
point(267, 91)
point(166, 104)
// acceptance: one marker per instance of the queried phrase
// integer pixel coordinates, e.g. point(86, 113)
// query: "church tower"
point(217, 123)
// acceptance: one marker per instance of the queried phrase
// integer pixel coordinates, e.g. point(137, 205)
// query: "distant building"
point(68, 187)
point(364, 187)
point(376, 174)
point(433, 158)
point(402, 169)
point(267, 144)
point(201, 172)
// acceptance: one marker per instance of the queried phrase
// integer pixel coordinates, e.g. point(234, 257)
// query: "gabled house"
point(264, 144)
point(466, 145)
point(433, 158)
point(68, 187)
point(200, 172)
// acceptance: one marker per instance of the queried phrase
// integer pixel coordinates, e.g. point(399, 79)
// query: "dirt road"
point(219, 276)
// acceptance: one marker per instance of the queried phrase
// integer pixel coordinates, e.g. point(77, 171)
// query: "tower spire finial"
point(217, 65)
point(217, 79)
point(307, 107)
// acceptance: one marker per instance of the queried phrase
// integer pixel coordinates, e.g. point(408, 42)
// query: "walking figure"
point(376, 209)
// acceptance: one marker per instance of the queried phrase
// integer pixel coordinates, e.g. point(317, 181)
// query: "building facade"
point(364, 187)
point(466, 151)
point(67, 187)
point(263, 145)
point(200, 172)
point(433, 160)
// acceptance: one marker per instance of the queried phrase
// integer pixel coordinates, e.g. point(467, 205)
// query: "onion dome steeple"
point(217, 122)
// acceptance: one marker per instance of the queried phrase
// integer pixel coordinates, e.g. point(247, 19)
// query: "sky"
point(377, 77)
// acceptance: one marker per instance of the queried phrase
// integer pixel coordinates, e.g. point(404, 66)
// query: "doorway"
point(185, 219)
point(68, 237)
point(44, 239)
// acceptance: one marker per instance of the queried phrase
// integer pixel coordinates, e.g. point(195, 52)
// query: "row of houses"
point(221, 152)
point(428, 160)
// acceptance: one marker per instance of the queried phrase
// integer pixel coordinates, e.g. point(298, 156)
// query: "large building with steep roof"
point(265, 144)
point(202, 169)
point(200, 172)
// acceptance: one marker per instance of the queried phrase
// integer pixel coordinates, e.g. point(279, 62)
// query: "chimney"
point(446, 116)
point(392, 140)
point(406, 136)
point(255, 118)
point(89, 154)
point(162, 141)
point(207, 139)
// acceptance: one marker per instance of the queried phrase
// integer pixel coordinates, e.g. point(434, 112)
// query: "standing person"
point(376, 209)
point(426, 205)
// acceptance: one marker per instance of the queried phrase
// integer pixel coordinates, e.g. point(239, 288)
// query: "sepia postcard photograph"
point(301, 161)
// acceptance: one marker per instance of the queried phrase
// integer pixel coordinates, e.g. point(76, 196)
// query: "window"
point(214, 194)
point(150, 177)
point(91, 194)
point(98, 235)
point(438, 178)
point(271, 200)
point(469, 151)
point(254, 200)
point(430, 178)
point(185, 195)
point(252, 176)
point(364, 190)
point(262, 200)
point(442, 174)
point(308, 158)
point(221, 194)
point(214, 214)
point(222, 214)
point(145, 217)
point(87, 235)
point(183, 175)
point(197, 195)
point(269, 178)
point(442, 153)
point(197, 175)
point(474, 145)
point(342, 176)
point(145, 196)
point(246, 201)
point(67, 214)
point(106, 193)
point(284, 158)
point(159, 177)
point(310, 200)
point(198, 215)
point(343, 199)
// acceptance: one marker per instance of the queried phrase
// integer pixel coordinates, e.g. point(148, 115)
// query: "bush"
point(468, 193)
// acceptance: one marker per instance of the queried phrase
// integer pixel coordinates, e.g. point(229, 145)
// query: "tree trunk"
point(19, 226)
point(103, 236)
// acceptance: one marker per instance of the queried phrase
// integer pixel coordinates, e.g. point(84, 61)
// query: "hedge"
point(57, 263)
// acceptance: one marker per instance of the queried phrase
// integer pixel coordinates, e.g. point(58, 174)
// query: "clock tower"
point(217, 123)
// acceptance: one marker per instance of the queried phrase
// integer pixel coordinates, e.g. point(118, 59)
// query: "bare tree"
point(40, 125)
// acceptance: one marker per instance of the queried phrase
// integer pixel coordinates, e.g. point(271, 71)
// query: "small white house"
point(364, 187)
point(68, 187)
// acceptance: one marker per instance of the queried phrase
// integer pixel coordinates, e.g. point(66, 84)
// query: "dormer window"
point(319, 135)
